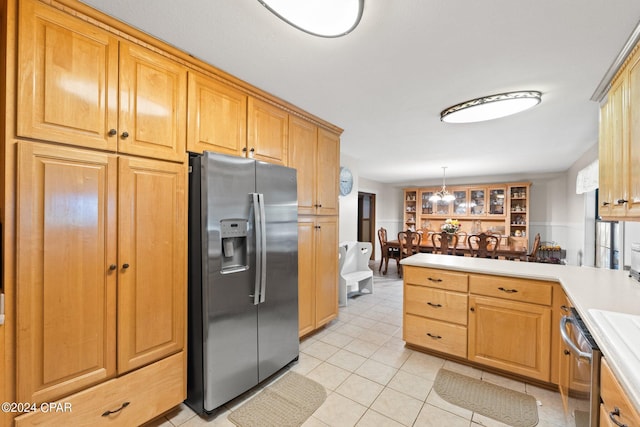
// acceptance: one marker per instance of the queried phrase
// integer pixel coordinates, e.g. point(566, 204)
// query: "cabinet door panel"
point(67, 79)
point(65, 292)
point(268, 129)
point(153, 102)
point(633, 175)
point(512, 336)
point(151, 256)
point(328, 172)
point(306, 276)
point(303, 157)
point(326, 269)
point(217, 117)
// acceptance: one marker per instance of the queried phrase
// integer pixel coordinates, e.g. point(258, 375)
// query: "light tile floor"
point(373, 380)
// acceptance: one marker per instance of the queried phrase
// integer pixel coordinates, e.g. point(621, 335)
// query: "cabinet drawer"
point(149, 391)
point(436, 304)
point(436, 335)
point(613, 396)
point(434, 278)
point(533, 291)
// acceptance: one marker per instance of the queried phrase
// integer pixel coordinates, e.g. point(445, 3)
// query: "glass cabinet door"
point(442, 207)
point(496, 201)
point(427, 206)
point(460, 202)
point(476, 202)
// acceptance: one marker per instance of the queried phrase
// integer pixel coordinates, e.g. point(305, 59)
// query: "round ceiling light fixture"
point(491, 107)
point(324, 18)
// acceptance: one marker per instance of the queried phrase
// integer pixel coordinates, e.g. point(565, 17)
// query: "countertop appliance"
point(243, 276)
point(580, 376)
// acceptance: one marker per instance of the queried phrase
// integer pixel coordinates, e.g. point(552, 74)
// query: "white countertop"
point(591, 290)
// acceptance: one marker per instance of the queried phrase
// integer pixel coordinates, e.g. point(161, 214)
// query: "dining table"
point(504, 251)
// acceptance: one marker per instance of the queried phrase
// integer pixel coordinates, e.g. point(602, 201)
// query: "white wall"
point(348, 219)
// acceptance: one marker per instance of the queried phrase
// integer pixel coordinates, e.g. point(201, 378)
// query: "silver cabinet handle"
point(616, 413)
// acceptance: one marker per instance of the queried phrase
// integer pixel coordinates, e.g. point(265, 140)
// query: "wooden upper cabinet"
point(633, 157)
point(315, 154)
point(79, 85)
point(268, 130)
point(66, 294)
point(328, 172)
point(217, 117)
point(68, 79)
point(152, 260)
point(153, 102)
point(303, 153)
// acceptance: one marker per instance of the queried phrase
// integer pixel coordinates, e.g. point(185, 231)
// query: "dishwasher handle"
point(565, 337)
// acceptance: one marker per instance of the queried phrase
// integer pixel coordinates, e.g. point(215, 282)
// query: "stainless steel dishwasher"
point(580, 371)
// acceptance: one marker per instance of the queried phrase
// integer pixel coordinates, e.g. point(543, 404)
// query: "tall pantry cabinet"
point(315, 153)
point(100, 208)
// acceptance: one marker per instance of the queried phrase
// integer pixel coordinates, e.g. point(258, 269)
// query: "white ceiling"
point(387, 81)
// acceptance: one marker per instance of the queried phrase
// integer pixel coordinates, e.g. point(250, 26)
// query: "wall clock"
point(346, 181)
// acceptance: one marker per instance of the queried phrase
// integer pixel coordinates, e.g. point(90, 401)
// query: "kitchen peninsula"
point(590, 291)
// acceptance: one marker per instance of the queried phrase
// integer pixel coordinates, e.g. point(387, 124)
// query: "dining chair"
point(444, 243)
point(483, 245)
point(386, 251)
point(409, 245)
point(533, 255)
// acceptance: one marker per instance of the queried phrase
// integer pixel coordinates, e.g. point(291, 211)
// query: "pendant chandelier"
point(443, 194)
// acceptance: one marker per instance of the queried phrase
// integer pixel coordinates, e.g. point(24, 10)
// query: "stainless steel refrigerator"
point(243, 276)
point(609, 244)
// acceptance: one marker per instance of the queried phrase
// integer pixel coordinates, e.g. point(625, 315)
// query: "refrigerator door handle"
point(259, 252)
point(263, 247)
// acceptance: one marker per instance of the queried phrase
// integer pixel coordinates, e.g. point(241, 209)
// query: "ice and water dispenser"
point(233, 233)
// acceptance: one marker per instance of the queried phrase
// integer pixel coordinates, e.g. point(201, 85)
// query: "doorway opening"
point(367, 219)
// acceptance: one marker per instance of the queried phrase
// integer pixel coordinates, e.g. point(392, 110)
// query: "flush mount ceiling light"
point(443, 194)
point(491, 107)
point(324, 18)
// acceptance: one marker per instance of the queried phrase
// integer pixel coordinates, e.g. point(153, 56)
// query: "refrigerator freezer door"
point(229, 315)
point(278, 342)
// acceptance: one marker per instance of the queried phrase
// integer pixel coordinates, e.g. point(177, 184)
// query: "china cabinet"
point(498, 208)
point(410, 209)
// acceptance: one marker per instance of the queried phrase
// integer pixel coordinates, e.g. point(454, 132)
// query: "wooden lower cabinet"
point(616, 409)
point(101, 267)
point(494, 321)
point(512, 336)
point(436, 335)
point(317, 272)
point(129, 400)
point(435, 310)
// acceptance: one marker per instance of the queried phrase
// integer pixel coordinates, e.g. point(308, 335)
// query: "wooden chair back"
point(409, 243)
point(483, 245)
point(533, 255)
point(382, 236)
point(444, 243)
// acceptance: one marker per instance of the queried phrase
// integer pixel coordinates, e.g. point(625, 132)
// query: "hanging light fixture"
point(324, 18)
point(491, 107)
point(443, 194)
